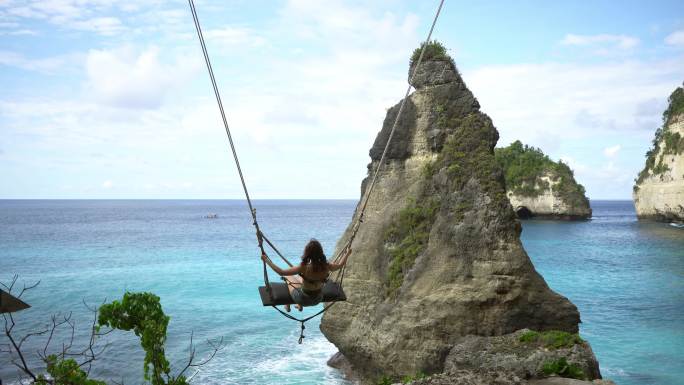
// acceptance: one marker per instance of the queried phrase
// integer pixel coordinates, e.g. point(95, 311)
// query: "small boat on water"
point(211, 216)
point(678, 225)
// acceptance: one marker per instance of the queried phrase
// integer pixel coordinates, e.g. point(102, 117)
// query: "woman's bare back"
point(313, 280)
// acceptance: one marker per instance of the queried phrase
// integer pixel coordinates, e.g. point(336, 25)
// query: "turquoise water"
point(627, 278)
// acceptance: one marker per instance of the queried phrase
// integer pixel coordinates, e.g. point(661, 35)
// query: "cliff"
point(438, 256)
point(539, 187)
point(659, 188)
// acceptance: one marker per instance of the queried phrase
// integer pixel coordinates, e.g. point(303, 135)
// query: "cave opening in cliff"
point(523, 212)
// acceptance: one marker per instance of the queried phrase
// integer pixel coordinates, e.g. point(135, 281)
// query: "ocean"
point(626, 277)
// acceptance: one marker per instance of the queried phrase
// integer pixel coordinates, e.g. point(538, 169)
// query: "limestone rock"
point(438, 256)
point(659, 189)
point(539, 187)
point(434, 72)
point(523, 359)
point(466, 377)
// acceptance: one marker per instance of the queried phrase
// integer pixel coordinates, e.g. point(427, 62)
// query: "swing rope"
point(261, 238)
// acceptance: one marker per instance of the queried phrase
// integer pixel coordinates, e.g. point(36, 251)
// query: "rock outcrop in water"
point(539, 187)
point(659, 188)
point(438, 256)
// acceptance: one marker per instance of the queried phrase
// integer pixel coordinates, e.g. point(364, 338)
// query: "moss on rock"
point(553, 339)
point(408, 236)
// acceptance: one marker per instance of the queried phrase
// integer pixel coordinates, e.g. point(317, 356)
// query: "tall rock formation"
point(539, 187)
point(438, 256)
point(659, 188)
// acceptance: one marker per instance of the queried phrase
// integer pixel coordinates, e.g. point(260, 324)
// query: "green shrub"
point(65, 372)
point(675, 105)
point(561, 367)
point(142, 313)
point(384, 380)
point(408, 379)
point(434, 51)
point(674, 143)
point(554, 339)
point(529, 336)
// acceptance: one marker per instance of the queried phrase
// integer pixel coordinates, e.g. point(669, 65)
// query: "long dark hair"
point(313, 255)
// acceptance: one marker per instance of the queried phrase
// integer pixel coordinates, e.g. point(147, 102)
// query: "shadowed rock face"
point(438, 256)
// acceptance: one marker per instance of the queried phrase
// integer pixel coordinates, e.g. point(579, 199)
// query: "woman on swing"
point(306, 280)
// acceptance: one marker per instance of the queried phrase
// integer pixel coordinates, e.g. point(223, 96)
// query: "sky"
point(111, 99)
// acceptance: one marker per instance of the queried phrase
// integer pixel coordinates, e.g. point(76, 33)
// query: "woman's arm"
point(291, 271)
point(342, 262)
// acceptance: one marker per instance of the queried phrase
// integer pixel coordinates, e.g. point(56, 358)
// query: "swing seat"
point(280, 294)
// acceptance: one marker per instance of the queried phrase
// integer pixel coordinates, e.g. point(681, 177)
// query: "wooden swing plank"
point(280, 295)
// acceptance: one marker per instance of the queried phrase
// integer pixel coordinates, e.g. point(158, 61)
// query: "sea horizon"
point(206, 272)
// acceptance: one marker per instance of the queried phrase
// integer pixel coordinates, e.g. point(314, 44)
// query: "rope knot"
point(301, 334)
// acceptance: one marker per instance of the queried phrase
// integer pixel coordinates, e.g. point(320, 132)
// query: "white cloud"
point(573, 101)
point(82, 15)
point(231, 36)
point(283, 114)
point(125, 77)
point(579, 109)
point(44, 65)
point(20, 32)
point(102, 25)
point(618, 41)
point(675, 38)
point(611, 151)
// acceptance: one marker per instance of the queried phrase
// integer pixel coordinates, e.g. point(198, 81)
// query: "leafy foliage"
point(554, 339)
point(408, 379)
point(387, 380)
point(672, 143)
point(65, 372)
point(434, 51)
point(409, 236)
point(142, 313)
point(562, 368)
point(675, 105)
point(524, 167)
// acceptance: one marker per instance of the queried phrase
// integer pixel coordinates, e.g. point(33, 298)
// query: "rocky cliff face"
point(659, 189)
point(539, 187)
point(438, 256)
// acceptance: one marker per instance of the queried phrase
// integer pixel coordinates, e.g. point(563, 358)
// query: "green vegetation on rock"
point(434, 51)
point(524, 166)
point(387, 380)
point(409, 236)
point(553, 339)
point(675, 105)
point(408, 379)
point(472, 138)
point(561, 367)
point(672, 143)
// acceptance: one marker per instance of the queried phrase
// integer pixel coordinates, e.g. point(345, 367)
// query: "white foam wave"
point(289, 364)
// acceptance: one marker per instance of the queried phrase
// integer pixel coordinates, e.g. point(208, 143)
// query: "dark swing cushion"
point(332, 292)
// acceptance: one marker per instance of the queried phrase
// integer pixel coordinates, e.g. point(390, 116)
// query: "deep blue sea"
point(626, 277)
